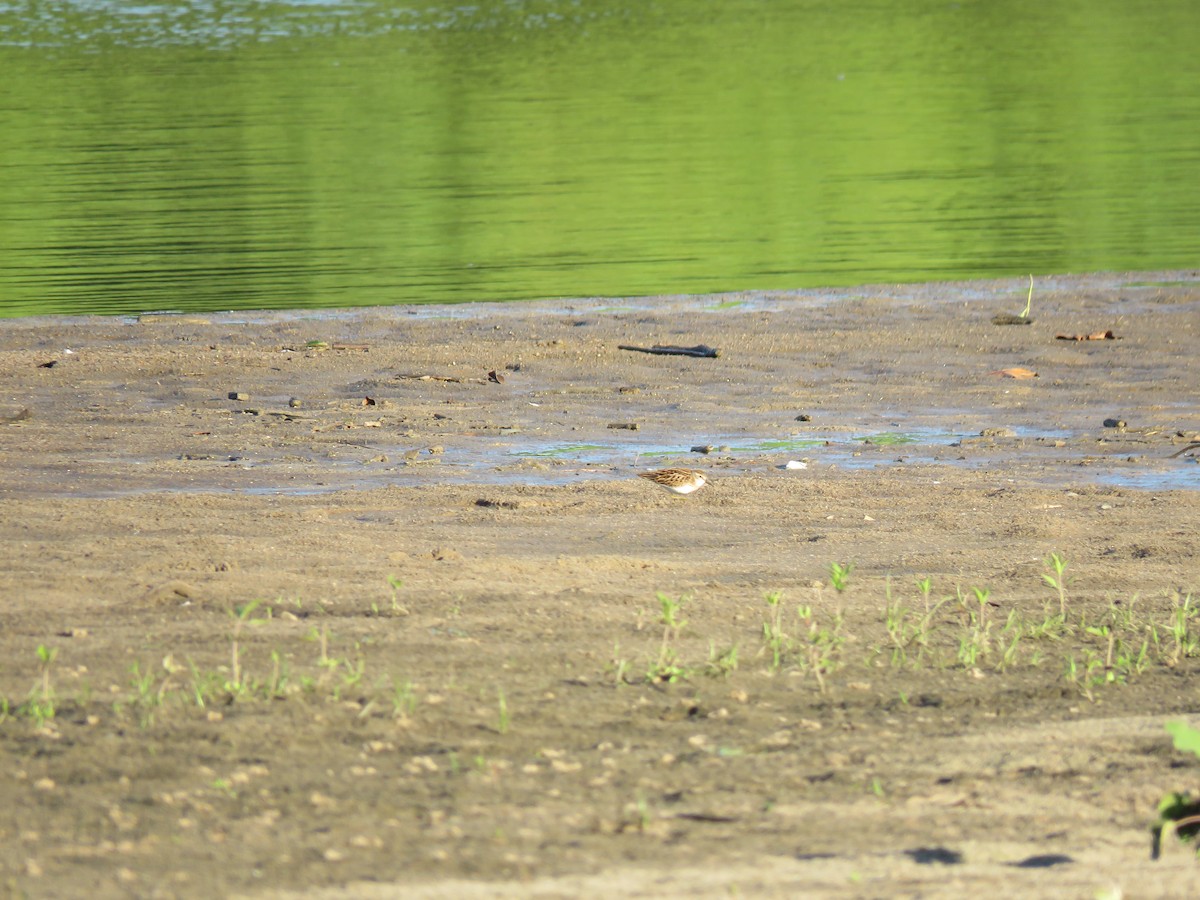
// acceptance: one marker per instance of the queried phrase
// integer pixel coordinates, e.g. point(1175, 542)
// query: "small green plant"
point(404, 701)
point(721, 663)
point(1185, 640)
point(774, 638)
point(619, 665)
point(1126, 616)
point(1109, 639)
point(1130, 662)
point(1010, 639)
point(909, 630)
point(1058, 580)
point(925, 586)
point(321, 639)
point(1178, 813)
point(667, 667)
point(146, 698)
point(225, 786)
point(1087, 675)
point(839, 575)
point(643, 811)
point(819, 644)
point(46, 656)
point(1050, 628)
point(342, 674)
point(1119, 631)
point(895, 621)
point(502, 719)
point(41, 705)
point(1028, 300)
point(813, 648)
point(204, 686)
point(241, 618)
point(976, 641)
point(276, 687)
point(395, 584)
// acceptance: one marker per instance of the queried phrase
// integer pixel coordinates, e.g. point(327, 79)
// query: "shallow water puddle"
point(520, 460)
point(834, 443)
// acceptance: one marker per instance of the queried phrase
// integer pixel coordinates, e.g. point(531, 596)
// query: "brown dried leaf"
point(1094, 336)
point(1016, 372)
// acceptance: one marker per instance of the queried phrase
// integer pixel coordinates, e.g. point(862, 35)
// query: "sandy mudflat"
point(504, 722)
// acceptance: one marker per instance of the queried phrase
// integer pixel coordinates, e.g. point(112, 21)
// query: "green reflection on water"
point(775, 445)
point(784, 444)
point(290, 155)
point(893, 438)
point(883, 439)
point(565, 451)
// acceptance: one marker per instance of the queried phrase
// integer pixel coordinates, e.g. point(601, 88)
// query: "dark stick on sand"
point(699, 350)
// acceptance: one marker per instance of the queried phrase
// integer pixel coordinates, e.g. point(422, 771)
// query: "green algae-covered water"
point(199, 155)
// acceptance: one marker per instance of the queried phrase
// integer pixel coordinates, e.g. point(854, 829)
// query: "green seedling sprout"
point(395, 584)
point(667, 667)
point(502, 721)
point(1178, 813)
point(721, 663)
point(240, 618)
point(1028, 300)
point(773, 635)
point(1058, 580)
point(839, 575)
point(41, 706)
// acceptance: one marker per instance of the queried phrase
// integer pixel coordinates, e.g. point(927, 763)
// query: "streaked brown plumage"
point(677, 481)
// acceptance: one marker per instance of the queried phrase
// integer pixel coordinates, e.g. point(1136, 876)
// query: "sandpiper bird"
point(677, 481)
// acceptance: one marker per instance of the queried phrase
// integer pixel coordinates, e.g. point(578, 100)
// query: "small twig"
point(705, 817)
point(702, 350)
point(452, 379)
